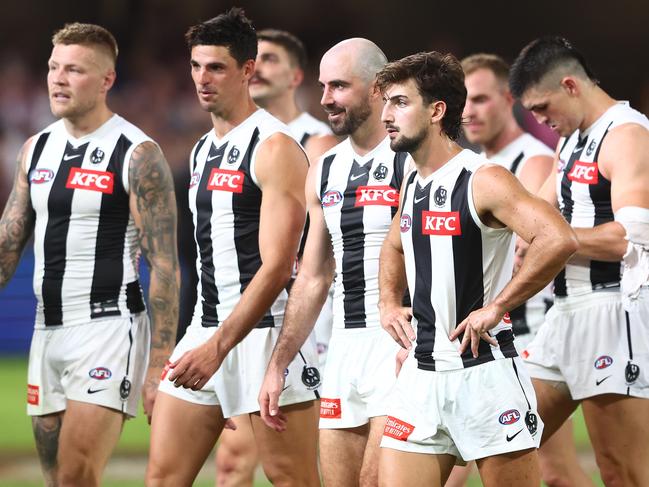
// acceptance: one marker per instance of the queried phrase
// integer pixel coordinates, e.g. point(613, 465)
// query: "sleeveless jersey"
point(584, 196)
point(306, 125)
point(455, 264)
point(359, 197)
point(85, 240)
point(225, 201)
point(514, 156)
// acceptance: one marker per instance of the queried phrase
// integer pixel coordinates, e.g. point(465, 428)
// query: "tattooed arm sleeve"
point(17, 223)
point(153, 205)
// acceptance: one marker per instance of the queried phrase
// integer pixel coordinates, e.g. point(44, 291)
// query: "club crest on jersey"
point(397, 429)
point(591, 147)
point(509, 417)
point(40, 176)
point(584, 172)
point(405, 223)
point(310, 377)
point(195, 179)
point(441, 223)
point(603, 362)
point(100, 373)
point(233, 155)
point(376, 195)
point(225, 180)
point(381, 172)
point(331, 198)
point(439, 197)
point(97, 156)
point(90, 180)
point(330, 408)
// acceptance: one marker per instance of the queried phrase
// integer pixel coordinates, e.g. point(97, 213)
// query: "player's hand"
point(519, 255)
point(269, 393)
point(476, 326)
point(402, 355)
point(150, 390)
point(195, 367)
point(396, 321)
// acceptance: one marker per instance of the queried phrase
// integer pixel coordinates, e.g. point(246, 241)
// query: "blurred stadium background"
point(154, 91)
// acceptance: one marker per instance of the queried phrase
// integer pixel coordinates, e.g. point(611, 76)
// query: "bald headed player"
point(352, 196)
point(279, 71)
point(593, 348)
point(490, 123)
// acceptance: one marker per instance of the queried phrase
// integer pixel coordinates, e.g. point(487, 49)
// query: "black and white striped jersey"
point(359, 197)
point(455, 264)
point(584, 196)
point(514, 156)
point(306, 125)
point(85, 242)
point(225, 201)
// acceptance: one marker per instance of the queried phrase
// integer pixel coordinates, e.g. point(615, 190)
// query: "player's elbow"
point(565, 245)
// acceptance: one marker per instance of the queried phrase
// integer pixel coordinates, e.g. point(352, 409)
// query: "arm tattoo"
point(16, 225)
point(46, 433)
point(154, 206)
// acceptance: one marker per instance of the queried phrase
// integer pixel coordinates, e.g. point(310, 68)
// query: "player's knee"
point(158, 474)
point(612, 470)
point(282, 473)
point(235, 467)
point(77, 471)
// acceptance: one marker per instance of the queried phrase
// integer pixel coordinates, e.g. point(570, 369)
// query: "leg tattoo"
point(46, 434)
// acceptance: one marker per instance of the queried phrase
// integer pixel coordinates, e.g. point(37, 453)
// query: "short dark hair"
point(497, 65)
point(293, 46)
point(231, 29)
point(439, 77)
point(87, 35)
point(539, 58)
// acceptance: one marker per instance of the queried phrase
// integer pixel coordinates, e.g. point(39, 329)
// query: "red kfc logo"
point(441, 223)
point(584, 172)
point(32, 395)
point(91, 180)
point(376, 195)
point(225, 180)
point(330, 408)
point(397, 429)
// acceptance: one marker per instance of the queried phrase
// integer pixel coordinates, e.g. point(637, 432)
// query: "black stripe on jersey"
point(324, 177)
point(422, 307)
point(114, 216)
point(514, 167)
point(560, 288)
point(199, 145)
point(467, 266)
point(246, 210)
point(600, 193)
point(505, 339)
point(353, 237)
point(399, 165)
point(209, 292)
point(59, 207)
point(404, 197)
point(36, 155)
point(304, 138)
point(519, 320)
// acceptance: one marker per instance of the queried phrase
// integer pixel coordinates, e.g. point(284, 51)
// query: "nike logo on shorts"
point(92, 391)
point(510, 438)
point(598, 382)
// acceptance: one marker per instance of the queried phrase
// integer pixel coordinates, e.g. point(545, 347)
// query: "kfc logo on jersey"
point(330, 408)
point(195, 179)
point(331, 198)
point(40, 176)
point(377, 196)
point(603, 362)
point(509, 417)
point(584, 172)
point(397, 429)
point(100, 373)
point(225, 180)
point(405, 223)
point(32, 395)
point(441, 223)
point(91, 180)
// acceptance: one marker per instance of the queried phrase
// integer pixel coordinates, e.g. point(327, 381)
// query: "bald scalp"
point(364, 58)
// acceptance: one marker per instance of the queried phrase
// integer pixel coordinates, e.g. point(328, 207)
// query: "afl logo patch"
point(310, 377)
point(509, 417)
point(40, 176)
point(381, 172)
point(331, 198)
point(233, 155)
point(603, 362)
point(196, 177)
point(591, 147)
point(100, 373)
point(97, 156)
point(405, 223)
point(439, 197)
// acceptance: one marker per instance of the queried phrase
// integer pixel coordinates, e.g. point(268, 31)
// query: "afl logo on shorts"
point(405, 223)
point(125, 388)
point(100, 373)
point(603, 362)
point(40, 176)
point(97, 156)
point(310, 377)
point(381, 172)
point(233, 155)
point(631, 373)
point(331, 198)
point(509, 417)
point(195, 179)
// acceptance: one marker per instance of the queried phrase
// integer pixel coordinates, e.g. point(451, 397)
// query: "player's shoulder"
point(622, 114)
point(308, 124)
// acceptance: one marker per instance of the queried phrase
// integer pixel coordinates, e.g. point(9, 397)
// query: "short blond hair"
point(87, 35)
point(492, 62)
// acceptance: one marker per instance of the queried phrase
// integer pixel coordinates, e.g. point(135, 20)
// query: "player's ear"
point(248, 68)
point(570, 85)
point(298, 77)
point(437, 111)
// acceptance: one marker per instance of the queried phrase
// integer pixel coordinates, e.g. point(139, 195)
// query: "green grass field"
point(16, 437)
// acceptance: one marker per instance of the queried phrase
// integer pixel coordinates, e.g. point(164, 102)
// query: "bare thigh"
point(341, 455)
point(554, 404)
point(515, 469)
point(413, 469)
point(236, 455)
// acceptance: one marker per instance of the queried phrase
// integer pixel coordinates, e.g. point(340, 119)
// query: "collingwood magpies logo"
point(97, 156)
point(631, 373)
point(381, 172)
point(233, 155)
point(591, 147)
point(310, 377)
point(439, 197)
